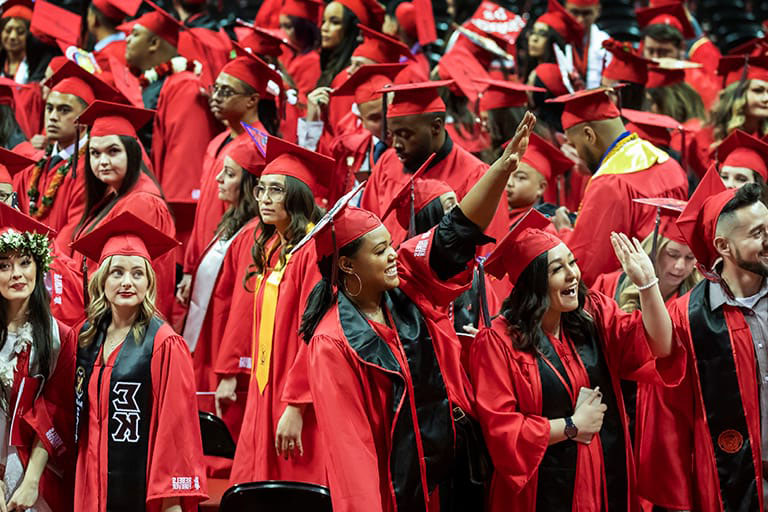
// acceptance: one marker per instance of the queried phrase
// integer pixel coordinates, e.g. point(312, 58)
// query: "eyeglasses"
point(5, 196)
point(223, 91)
point(274, 193)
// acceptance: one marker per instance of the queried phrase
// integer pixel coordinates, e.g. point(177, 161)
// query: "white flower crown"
point(35, 244)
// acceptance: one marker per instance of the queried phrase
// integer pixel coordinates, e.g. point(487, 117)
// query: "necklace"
point(33, 193)
point(175, 65)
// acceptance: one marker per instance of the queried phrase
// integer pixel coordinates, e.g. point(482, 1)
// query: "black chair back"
point(217, 440)
point(276, 496)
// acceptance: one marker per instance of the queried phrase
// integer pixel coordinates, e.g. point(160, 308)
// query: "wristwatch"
point(571, 430)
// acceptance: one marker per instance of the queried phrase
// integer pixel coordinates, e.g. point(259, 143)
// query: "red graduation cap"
point(262, 41)
point(256, 73)
point(312, 169)
point(160, 23)
point(585, 3)
point(627, 65)
point(106, 118)
point(753, 47)
point(244, 152)
point(463, 68)
point(698, 221)
point(12, 219)
point(525, 242)
point(380, 47)
point(366, 82)
point(562, 22)
point(503, 94)
point(369, 12)
point(11, 163)
point(348, 224)
point(405, 13)
point(667, 212)
point(308, 9)
point(741, 149)
point(734, 68)
point(116, 10)
point(414, 195)
point(17, 9)
point(57, 62)
point(124, 235)
point(545, 158)
point(72, 79)
point(583, 106)
point(672, 14)
point(668, 72)
point(416, 98)
point(654, 128)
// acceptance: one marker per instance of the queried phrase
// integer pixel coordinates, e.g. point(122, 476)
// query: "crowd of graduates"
point(522, 267)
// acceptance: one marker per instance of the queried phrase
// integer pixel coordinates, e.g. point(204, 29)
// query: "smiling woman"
point(118, 179)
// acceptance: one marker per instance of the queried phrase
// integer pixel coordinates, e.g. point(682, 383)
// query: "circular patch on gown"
point(730, 441)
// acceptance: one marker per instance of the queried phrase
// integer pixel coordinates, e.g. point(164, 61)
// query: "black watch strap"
point(571, 430)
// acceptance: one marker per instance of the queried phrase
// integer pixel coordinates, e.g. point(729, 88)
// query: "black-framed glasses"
point(223, 91)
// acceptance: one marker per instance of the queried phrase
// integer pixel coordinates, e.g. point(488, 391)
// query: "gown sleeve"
point(346, 431)
point(627, 349)
point(516, 441)
point(175, 465)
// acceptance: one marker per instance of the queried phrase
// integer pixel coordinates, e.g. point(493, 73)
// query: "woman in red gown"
point(118, 179)
point(546, 375)
point(136, 422)
point(37, 355)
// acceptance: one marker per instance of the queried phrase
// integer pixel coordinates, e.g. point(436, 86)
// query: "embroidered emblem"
point(421, 248)
point(185, 483)
point(127, 413)
point(54, 438)
point(245, 362)
point(730, 441)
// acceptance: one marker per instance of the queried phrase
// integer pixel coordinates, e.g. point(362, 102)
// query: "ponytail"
point(322, 296)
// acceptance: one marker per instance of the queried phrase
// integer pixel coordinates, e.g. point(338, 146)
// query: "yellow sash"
point(632, 154)
point(266, 332)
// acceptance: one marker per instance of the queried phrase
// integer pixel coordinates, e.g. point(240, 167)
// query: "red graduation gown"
point(175, 448)
point(704, 435)
point(304, 69)
point(230, 277)
point(509, 401)
point(458, 168)
point(183, 126)
point(68, 203)
point(263, 409)
point(209, 207)
point(607, 206)
point(49, 420)
point(144, 201)
point(360, 422)
point(66, 282)
point(116, 50)
point(607, 284)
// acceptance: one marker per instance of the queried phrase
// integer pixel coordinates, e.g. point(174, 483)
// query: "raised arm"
point(480, 203)
point(638, 267)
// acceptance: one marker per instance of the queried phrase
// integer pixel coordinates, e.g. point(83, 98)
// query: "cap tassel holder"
point(655, 245)
point(482, 294)
point(412, 213)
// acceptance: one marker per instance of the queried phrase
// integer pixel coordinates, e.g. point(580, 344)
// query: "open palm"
point(634, 261)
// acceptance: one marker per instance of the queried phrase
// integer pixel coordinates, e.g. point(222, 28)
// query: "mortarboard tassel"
point(482, 294)
point(76, 156)
point(384, 118)
point(655, 245)
point(412, 213)
point(335, 260)
point(86, 299)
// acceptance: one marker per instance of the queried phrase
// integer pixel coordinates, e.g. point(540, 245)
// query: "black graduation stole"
point(724, 409)
point(130, 410)
point(433, 408)
point(557, 471)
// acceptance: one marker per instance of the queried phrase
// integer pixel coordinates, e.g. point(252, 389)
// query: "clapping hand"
point(634, 261)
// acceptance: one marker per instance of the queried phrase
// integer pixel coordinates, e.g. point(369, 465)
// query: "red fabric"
point(68, 204)
point(571, 190)
point(175, 447)
point(706, 84)
point(672, 422)
point(145, 201)
point(208, 47)
point(607, 284)
point(350, 151)
point(67, 304)
point(269, 14)
point(359, 421)
point(476, 142)
point(230, 277)
point(27, 105)
point(699, 148)
point(47, 420)
point(607, 206)
point(209, 208)
point(263, 410)
point(116, 50)
point(705, 53)
point(304, 69)
point(183, 127)
point(459, 169)
point(509, 402)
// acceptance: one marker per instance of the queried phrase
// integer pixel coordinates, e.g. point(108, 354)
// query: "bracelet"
point(653, 283)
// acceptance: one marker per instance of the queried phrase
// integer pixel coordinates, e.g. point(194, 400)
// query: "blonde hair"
point(100, 309)
point(730, 111)
point(629, 295)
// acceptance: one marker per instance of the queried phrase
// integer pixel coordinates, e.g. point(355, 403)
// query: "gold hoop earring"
point(360, 286)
